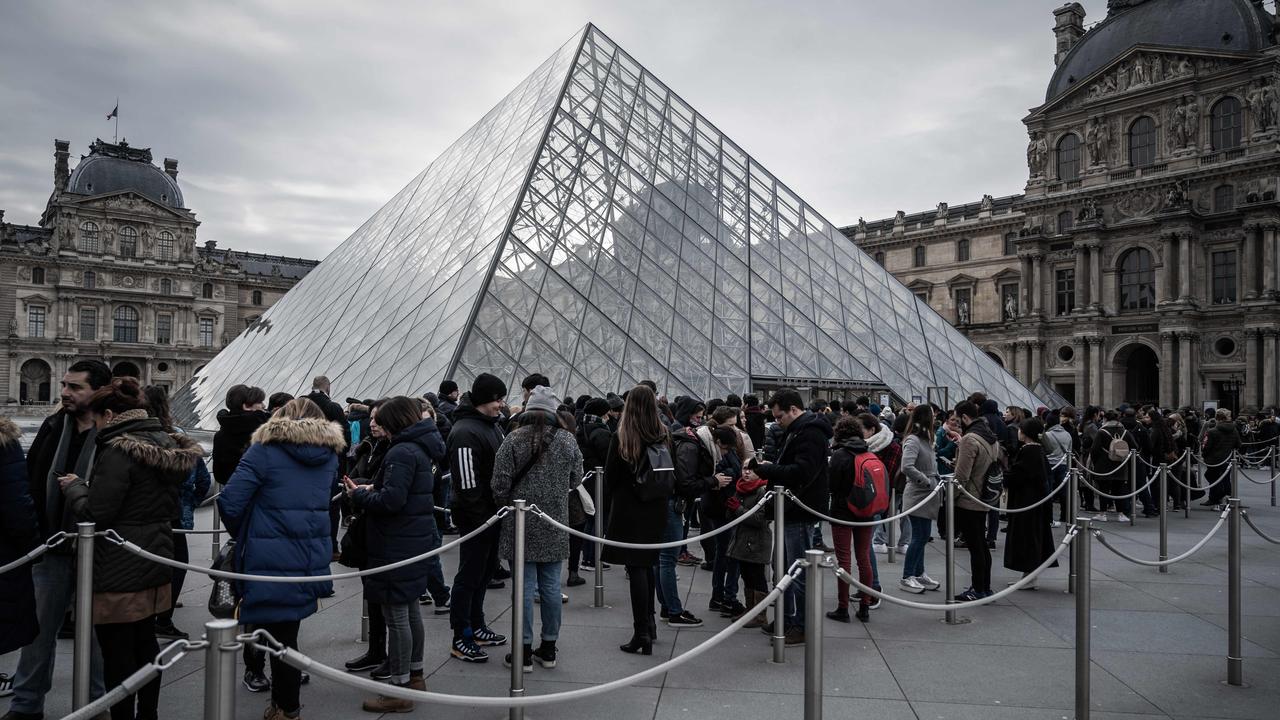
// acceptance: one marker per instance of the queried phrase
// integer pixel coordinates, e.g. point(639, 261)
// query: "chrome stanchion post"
point(599, 521)
point(1164, 516)
point(1275, 460)
point(1084, 539)
point(83, 649)
point(1074, 488)
point(813, 596)
point(950, 584)
point(1186, 502)
point(892, 529)
point(364, 621)
point(779, 569)
point(220, 669)
point(215, 540)
point(1235, 654)
point(1233, 466)
point(517, 609)
point(1133, 486)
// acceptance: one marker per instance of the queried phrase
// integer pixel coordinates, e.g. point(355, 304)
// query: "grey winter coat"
point(752, 540)
point(547, 485)
point(921, 468)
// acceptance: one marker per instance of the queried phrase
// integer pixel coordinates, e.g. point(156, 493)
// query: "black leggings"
point(971, 524)
point(286, 680)
point(127, 647)
point(753, 576)
point(640, 578)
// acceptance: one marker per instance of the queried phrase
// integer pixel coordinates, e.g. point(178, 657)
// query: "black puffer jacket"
point(18, 535)
point(134, 491)
point(235, 431)
point(400, 508)
point(1219, 442)
point(802, 466)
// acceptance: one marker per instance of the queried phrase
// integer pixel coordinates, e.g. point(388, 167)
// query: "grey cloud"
point(294, 121)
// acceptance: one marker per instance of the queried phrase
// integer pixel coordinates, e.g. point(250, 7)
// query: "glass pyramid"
point(595, 228)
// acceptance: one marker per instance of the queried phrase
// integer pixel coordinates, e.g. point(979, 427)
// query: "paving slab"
point(1192, 686)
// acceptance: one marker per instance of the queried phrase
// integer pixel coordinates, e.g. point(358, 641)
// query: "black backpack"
point(656, 478)
point(690, 486)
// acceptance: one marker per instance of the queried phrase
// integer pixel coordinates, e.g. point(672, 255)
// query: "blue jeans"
point(913, 565)
point(544, 578)
point(405, 639)
point(724, 569)
point(55, 581)
point(668, 591)
point(796, 538)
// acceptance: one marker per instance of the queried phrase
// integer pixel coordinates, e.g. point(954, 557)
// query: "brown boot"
point(417, 682)
point(384, 704)
point(275, 713)
point(753, 598)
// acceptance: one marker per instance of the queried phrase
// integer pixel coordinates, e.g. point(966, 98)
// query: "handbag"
point(223, 601)
point(353, 549)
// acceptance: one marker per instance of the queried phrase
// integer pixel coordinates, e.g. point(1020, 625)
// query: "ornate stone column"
point(1095, 274)
point(1269, 338)
point(1080, 359)
point(1037, 288)
point(1037, 360)
point(1168, 383)
point(1249, 395)
point(1249, 263)
point(1028, 287)
point(1095, 370)
point(1081, 282)
point(1184, 268)
point(1015, 359)
point(1186, 368)
point(1171, 288)
point(1269, 259)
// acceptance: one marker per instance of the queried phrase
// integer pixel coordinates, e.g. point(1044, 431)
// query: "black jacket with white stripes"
point(473, 442)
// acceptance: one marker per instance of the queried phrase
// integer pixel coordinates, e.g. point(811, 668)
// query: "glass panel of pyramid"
point(595, 228)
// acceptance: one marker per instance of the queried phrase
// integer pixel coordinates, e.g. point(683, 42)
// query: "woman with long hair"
point(399, 504)
point(283, 482)
point(633, 518)
point(137, 472)
point(920, 466)
point(539, 462)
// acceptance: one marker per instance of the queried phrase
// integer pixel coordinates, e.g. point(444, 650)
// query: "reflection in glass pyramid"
point(595, 228)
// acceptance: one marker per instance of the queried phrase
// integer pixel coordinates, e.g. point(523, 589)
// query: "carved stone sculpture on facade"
point(1090, 213)
point(1176, 197)
point(1037, 153)
point(962, 312)
point(1010, 307)
point(1184, 124)
point(1259, 100)
point(987, 202)
point(942, 211)
point(862, 226)
point(1098, 138)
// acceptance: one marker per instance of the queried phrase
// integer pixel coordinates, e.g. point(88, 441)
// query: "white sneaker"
point(881, 548)
point(928, 583)
point(1121, 517)
point(902, 549)
point(911, 585)
point(1055, 524)
point(1100, 517)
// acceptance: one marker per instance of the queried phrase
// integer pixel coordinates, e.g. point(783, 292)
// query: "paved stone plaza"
point(1159, 643)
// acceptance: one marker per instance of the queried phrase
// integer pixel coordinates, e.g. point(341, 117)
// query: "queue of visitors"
point(400, 472)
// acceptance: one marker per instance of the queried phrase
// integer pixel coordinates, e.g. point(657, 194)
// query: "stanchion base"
point(959, 621)
point(599, 607)
point(1228, 684)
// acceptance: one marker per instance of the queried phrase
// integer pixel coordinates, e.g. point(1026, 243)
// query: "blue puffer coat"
point(19, 533)
point(276, 505)
point(399, 509)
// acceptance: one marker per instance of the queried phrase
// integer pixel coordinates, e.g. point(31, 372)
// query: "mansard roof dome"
point(117, 167)
point(1237, 26)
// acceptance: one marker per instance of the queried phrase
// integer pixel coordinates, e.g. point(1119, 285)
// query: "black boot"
point(653, 630)
point(639, 642)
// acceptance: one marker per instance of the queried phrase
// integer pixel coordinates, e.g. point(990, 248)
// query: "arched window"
point(125, 325)
point(164, 245)
point(1137, 281)
point(1226, 124)
point(206, 291)
point(1066, 221)
point(89, 237)
point(166, 286)
point(962, 250)
point(917, 256)
point(1224, 198)
point(128, 242)
point(90, 280)
point(1069, 158)
point(1142, 142)
point(256, 297)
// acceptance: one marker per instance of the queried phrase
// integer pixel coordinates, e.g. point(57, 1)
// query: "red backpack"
point(869, 492)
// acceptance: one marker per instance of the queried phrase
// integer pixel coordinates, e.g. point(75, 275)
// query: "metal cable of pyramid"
point(595, 228)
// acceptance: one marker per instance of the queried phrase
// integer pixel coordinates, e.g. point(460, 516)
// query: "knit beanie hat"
point(542, 398)
point(448, 387)
point(486, 388)
point(596, 406)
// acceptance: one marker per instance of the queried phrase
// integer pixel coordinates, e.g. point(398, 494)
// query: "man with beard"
point(64, 445)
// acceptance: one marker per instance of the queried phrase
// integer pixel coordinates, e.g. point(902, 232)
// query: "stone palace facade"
point(113, 271)
point(1140, 263)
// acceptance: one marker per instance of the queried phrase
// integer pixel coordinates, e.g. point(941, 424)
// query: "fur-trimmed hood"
point(316, 432)
point(9, 431)
point(147, 446)
point(880, 440)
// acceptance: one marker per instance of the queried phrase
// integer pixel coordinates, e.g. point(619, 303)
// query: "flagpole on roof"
point(116, 139)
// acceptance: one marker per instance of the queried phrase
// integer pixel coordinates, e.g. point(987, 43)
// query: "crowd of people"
point(400, 473)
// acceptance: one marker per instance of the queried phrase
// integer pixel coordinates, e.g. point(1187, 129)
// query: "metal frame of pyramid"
point(595, 228)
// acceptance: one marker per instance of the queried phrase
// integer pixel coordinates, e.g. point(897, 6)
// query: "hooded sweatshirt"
point(977, 450)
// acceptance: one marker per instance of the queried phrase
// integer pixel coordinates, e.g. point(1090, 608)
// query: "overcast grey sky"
point(294, 121)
